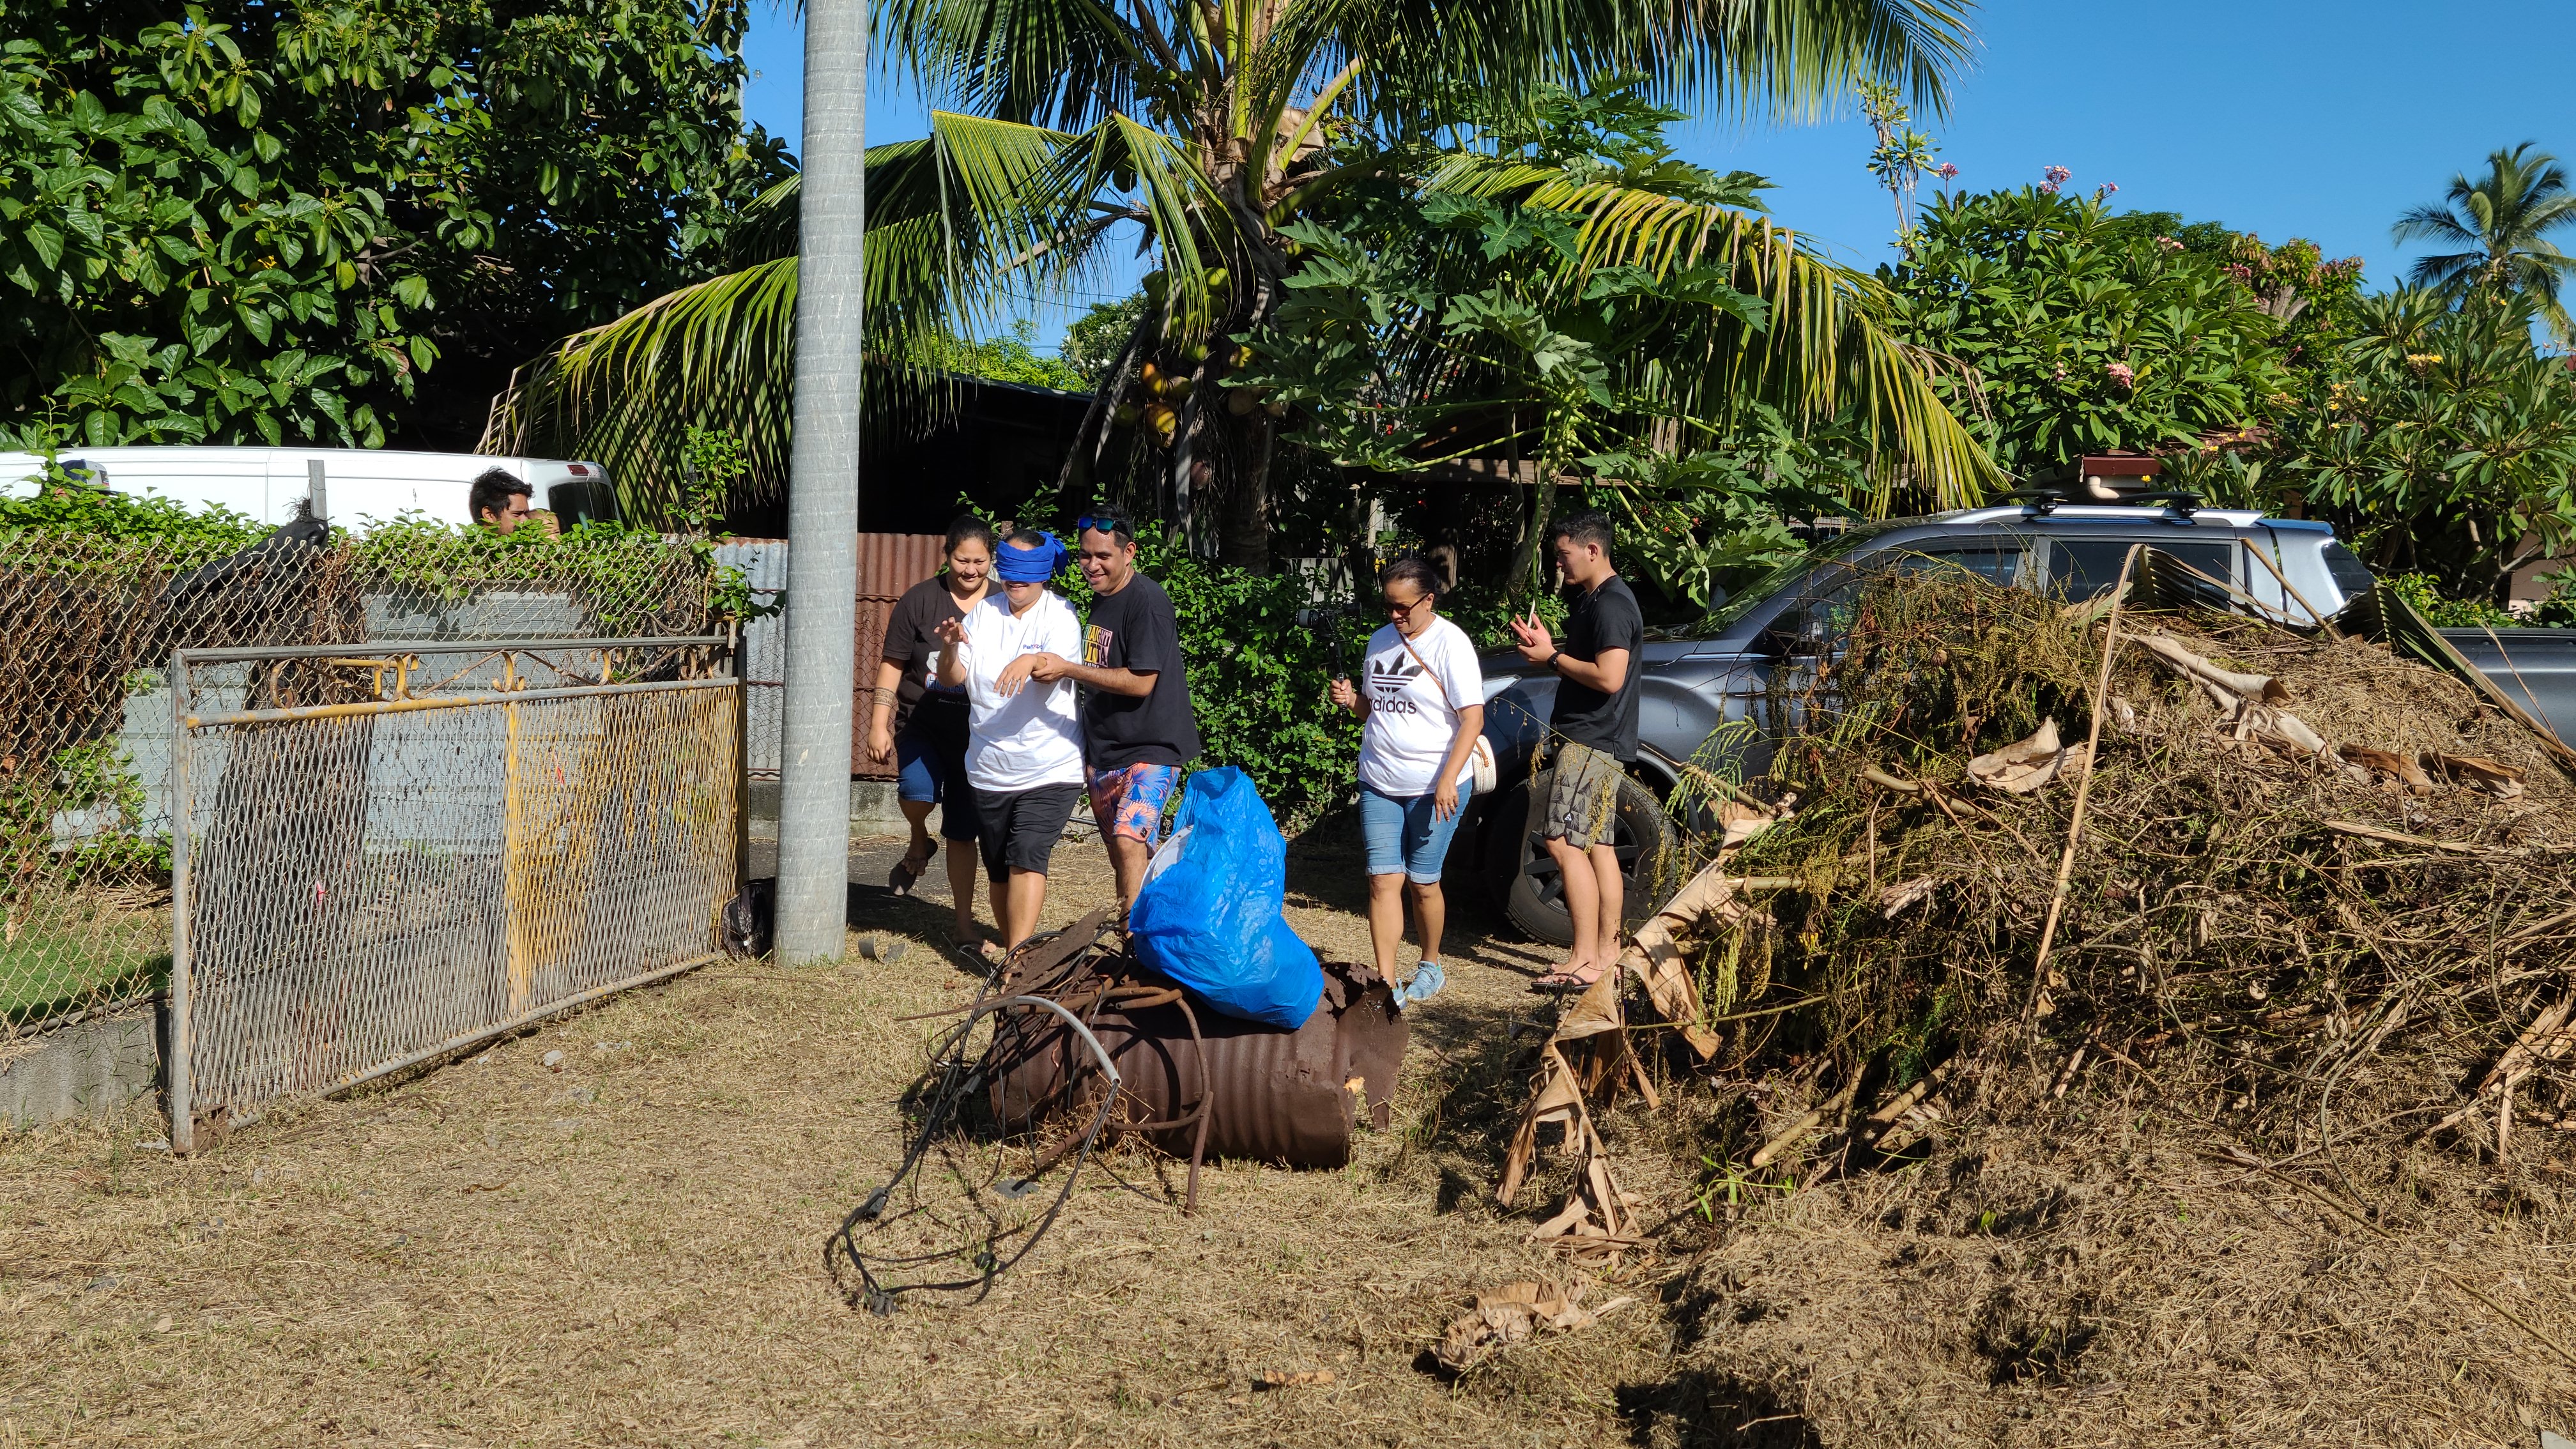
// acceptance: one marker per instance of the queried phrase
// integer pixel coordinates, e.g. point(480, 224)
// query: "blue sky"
point(2281, 117)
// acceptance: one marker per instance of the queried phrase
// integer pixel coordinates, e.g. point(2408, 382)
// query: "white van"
point(353, 487)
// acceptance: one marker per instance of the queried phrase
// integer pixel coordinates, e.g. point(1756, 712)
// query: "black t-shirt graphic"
point(910, 643)
point(1135, 628)
point(1605, 618)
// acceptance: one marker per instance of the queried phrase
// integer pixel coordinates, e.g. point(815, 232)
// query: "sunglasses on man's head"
point(1105, 522)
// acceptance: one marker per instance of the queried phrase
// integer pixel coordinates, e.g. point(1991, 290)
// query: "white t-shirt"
point(1034, 737)
point(1412, 720)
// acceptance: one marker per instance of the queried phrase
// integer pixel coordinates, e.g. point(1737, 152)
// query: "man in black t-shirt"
point(1595, 721)
point(1137, 729)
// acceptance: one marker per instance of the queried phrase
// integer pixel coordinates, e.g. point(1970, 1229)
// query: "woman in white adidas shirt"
point(1424, 699)
point(1023, 737)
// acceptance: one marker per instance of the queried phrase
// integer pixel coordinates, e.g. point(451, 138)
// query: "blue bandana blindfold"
point(1030, 565)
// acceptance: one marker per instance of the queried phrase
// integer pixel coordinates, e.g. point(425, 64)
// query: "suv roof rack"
point(2181, 500)
point(2037, 500)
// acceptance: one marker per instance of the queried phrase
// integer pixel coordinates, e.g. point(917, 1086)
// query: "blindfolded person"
point(930, 749)
point(1424, 699)
point(1024, 735)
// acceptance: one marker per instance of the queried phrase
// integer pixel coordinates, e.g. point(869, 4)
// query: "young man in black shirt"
point(1137, 729)
point(1595, 720)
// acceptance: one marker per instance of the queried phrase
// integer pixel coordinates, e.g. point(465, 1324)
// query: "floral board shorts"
point(1129, 801)
point(1580, 804)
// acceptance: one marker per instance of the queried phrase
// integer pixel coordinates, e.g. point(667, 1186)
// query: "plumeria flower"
point(2105, 189)
point(1946, 171)
point(2057, 175)
point(2121, 373)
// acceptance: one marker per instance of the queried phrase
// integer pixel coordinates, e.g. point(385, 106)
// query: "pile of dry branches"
point(2316, 890)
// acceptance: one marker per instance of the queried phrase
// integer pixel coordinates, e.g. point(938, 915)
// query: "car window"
point(2352, 578)
point(1819, 611)
point(1996, 560)
point(1820, 608)
point(2079, 568)
point(1779, 580)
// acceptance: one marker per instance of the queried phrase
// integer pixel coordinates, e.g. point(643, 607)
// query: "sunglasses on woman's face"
point(1399, 611)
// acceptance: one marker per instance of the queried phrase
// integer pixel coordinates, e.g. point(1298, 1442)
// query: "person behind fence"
point(1423, 698)
point(930, 749)
point(497, 500)
point(1136, 723)
point(1595, 724)
point(1024, 734)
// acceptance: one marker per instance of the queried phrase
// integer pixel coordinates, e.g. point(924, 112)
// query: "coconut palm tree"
point(2499, 228)
point(1192, 131)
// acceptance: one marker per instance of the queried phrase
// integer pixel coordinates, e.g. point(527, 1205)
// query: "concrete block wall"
point(87, 1069)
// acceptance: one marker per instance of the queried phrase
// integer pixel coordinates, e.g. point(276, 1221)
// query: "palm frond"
point(1065, 63)
point(2432, 223)
point(1822, 352)
point(953, 221)
point(1785, 58)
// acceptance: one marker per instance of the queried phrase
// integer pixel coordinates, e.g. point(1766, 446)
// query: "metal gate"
point(381, 855)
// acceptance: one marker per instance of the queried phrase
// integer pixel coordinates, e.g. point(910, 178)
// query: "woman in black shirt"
point(931, 745)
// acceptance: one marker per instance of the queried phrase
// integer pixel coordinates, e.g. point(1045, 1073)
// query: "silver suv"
point(1716, 673)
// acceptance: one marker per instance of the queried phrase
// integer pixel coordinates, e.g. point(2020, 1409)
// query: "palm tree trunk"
point(1245, 540)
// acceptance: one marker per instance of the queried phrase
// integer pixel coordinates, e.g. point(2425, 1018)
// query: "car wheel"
point(1524, 877)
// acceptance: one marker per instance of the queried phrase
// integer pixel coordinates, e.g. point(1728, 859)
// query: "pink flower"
point(2057, 175)
point(2105, 189)
point(1946, 171)
point(2120, 373)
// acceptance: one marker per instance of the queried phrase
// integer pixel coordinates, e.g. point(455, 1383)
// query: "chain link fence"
point(88, 628)
point(488, 833)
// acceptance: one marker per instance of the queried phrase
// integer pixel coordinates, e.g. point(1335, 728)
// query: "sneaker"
point(1426, 983)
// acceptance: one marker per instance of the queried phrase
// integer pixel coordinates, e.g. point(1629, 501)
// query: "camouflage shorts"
point(1582, 804)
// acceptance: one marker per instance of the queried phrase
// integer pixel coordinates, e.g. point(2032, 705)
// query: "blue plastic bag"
point(1209, 916)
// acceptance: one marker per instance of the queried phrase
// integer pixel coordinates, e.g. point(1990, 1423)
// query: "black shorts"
point(1021, 828)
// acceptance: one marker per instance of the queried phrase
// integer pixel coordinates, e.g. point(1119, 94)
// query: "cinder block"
point(86, 1069)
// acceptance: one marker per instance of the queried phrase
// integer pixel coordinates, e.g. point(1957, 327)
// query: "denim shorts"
point(930, 765)
point(1408, 835)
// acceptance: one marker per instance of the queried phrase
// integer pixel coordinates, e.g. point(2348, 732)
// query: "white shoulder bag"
point(1480, 758)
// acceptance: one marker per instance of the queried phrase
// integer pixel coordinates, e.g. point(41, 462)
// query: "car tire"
point(1523, 876)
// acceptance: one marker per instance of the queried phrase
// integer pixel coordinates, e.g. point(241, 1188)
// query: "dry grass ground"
point(629, 1250)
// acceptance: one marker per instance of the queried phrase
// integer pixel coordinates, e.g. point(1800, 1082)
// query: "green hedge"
point(1261, 655)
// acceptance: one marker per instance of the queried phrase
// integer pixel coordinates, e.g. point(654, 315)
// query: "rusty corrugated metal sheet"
point(890, 563)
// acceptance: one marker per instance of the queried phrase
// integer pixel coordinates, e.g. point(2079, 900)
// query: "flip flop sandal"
point(906, 872)
point(1564, 983)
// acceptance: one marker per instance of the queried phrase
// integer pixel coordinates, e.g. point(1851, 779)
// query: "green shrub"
point(2421, 591)
point(1261, 655)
